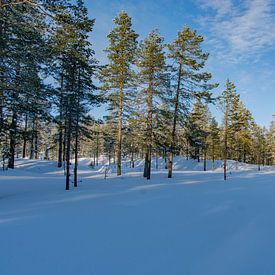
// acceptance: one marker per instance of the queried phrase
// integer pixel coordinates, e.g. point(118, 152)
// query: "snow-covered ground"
point(194, 223)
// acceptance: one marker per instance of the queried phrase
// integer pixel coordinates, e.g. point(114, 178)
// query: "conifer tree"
point(188, 58)
point(214, 141)
point(117, 76)
point(228, 96)
point(198, 123)
point(152, 77)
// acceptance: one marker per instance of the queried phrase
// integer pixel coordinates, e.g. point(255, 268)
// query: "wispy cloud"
point(241, 30)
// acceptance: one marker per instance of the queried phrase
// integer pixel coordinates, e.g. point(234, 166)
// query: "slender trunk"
point(32, 140)
point(145, 172)
point(204, 160)
point(60, 134)
point(97, 148)
point(149, 162)
point(132, 158)
point(64, 144)
point(149, 130)
point(76, 157)
point(213, 155)
point(77, 129)
point(13, 132)
point(173, 137)
point(68, 152)
point(36, 140)
point(24, 150)
point(225, 138)
point(187, 151)
point(119, 133)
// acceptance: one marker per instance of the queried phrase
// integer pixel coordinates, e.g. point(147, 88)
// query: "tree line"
point(157, 94)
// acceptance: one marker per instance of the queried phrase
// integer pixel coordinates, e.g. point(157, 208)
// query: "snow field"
point(194, 223)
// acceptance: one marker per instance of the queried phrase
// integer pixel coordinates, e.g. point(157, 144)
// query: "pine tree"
point(152, 76)
point(214, 141)
point(21, 42)
point(74, 67)
point(228, 96)
point(198, 123)
point(117, 76)
point(188, 57)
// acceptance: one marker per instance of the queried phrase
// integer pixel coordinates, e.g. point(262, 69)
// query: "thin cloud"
point(242, 30)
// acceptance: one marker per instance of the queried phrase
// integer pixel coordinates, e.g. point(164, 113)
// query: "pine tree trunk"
point(24, 150)
point(32, 140)
point(149, 162)
point(13, 132)
point(132, 158)
point(225, 138)
point(204, 160)
point(64, 145)
point(173, 137)
point(213, 156)
point(77, 129)
point(68, 153)
point(148, 158)
point(119, 134)
point(35, 134)
point(145, 172)
point(76, 157)
point(97, 148)
point(36, 142)
point(60, 157)
point(60, 147)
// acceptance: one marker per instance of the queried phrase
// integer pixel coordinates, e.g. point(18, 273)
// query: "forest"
point(132, 137)
point(157, 94)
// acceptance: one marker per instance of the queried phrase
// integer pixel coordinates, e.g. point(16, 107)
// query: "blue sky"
point(239, 35)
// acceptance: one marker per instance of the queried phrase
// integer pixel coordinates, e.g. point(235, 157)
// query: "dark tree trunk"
point(36, 140)
point(24, 150)
point(132, 158)
point(13, 133)
point(60, 147)
point(145, 172)
point(68, 153)
point(76, 157)
point(32, 150)
point(77, 129)
point(60, 126)
point(149, 132)
point(119, 132)
point(204, 161)
point(225, 138)
point(213, 155)
point(97, 148)
point(173, 138)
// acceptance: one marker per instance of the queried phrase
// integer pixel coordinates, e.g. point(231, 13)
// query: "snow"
point(194, 223)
